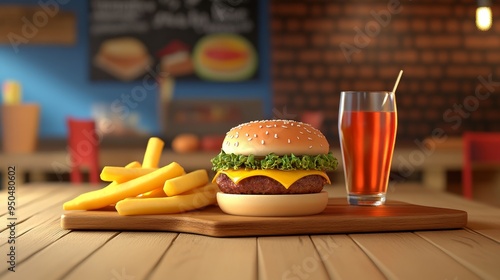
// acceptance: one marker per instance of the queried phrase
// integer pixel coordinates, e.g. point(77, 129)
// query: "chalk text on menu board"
point(115, 17)
point(134, 16)
point(203, 22)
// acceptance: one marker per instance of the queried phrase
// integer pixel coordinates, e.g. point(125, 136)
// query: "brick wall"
point(320, 48)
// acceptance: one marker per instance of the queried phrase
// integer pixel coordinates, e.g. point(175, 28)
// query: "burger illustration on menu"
point(125, 58)
point(225, 58)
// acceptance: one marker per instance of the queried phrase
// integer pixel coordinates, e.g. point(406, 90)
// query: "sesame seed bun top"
point(281, 137)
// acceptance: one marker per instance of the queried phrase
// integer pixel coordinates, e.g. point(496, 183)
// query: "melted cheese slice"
point(286, 178)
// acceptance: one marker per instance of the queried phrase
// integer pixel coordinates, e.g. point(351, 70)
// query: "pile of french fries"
point(142, 189)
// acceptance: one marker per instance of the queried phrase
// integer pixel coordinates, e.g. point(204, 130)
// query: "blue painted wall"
point(56, 77)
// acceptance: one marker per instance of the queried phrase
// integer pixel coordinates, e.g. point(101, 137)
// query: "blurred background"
point(309, 51)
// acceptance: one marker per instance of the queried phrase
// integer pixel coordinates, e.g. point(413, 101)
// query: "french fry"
point(139, 189)
point(154, 193)
point(210, 187)
point(123, 174)
point(153, 153)
point(165, 205)
point(133, 164)
point(132, 188)
point(186, 182)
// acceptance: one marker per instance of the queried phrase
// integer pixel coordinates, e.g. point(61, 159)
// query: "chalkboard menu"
point(213, 40)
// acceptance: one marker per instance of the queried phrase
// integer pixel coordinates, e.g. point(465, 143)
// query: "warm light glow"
point(483, 18)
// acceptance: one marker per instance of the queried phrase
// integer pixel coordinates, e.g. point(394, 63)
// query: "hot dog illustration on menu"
point(224, 57)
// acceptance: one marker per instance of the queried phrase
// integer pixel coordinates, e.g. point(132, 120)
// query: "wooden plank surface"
point(24, 198)
point(408, 256)
point(40, 205)
point(119, 257)
point(200, 257)
point(487, 225)
point(342, 258)
point(470, 249)
point(298, 258)
point(60, 257)
point(34, 241)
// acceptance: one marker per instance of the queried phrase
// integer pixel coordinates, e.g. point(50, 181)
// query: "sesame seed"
point(267, 132)
point(260, 126)
point(288, 141)
point(284, 126)
point(236, 136)
point(310, 147)
point(298, 137)
point(269, 125)
point(262, 142)
point(246, 134)
point(309, 138)
point(255, 135)
point(236, 144)
point(250, 139)
point(275, 135)
point(301, 132)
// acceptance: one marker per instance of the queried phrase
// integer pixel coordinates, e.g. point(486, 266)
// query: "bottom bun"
point(273, 205)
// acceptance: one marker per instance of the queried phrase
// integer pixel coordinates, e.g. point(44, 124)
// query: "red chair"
point(83, 145)
point(479, 148)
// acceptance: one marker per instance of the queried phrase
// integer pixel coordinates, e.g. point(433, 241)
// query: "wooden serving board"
point(338, 217)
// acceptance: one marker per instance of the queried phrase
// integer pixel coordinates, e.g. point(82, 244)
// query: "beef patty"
point(266, 185)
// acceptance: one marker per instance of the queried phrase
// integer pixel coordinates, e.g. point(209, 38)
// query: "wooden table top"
point(43, 250)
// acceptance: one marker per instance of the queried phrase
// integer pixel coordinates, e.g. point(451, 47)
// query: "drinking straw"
point(397, 81)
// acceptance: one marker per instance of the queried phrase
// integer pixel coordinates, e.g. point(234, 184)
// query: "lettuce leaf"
point(323, 162)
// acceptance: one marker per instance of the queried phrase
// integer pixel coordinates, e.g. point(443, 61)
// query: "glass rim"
point(367, 101)
point(370, 92)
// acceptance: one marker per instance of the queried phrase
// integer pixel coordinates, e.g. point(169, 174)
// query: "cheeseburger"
point(280, 163)
point(125, 58)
